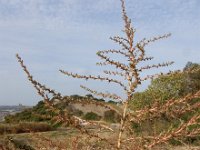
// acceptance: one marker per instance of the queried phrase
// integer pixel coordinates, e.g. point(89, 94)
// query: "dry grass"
point(24, 127)
point(70, 139)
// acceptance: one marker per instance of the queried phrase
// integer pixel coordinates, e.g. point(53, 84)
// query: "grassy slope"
point(67, 139)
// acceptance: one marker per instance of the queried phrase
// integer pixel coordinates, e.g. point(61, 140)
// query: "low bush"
point(25, 127)
point(38, 113)
point(111, 116)
point(78, 113)
point(91, 116)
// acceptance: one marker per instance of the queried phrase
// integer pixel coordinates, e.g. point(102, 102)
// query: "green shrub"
point(36, 114)
point(78, 112)
point(91, 116)
point(111, 116)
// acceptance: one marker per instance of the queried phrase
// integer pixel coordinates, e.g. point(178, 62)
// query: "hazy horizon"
point(52, 35)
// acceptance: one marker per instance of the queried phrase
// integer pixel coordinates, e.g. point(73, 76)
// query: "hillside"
point(90, 111)
point(72, 104)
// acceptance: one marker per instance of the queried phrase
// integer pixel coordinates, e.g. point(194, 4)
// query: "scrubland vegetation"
point(40, 119)
point(165, 115)
point(25, 127)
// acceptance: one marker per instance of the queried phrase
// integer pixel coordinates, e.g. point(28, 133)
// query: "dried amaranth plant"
point(130, 73)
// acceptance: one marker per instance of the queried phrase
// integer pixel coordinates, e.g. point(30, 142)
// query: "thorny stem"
point(122, 125)
point(123, 120)
point(130, 34)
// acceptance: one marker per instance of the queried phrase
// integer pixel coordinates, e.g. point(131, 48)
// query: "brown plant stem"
point(121, 130)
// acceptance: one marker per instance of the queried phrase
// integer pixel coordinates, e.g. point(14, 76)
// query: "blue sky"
point(65, 34)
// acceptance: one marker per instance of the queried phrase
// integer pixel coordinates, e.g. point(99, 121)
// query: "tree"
point(129, 71)
point(160, 90)
point(177, 85)
point(193, 77)
point(169, 86)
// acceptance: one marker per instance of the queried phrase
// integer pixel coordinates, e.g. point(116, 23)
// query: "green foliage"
point(111, 116)
point(25, 116)
point(160, 89)
point(40, 108)
point(140, 100)
point(20, 145)
point(112, 102)
point(170, 86)
point(76, 96)
point(151, 127)
point(90, 96)
point(165, 88)
point(91, 116)
point(77, 112)
point(36, 114)
point(99, 99)
point(193, 77)
point(40, 113)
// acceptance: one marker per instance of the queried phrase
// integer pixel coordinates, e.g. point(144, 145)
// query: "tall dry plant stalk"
point(130, 73)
